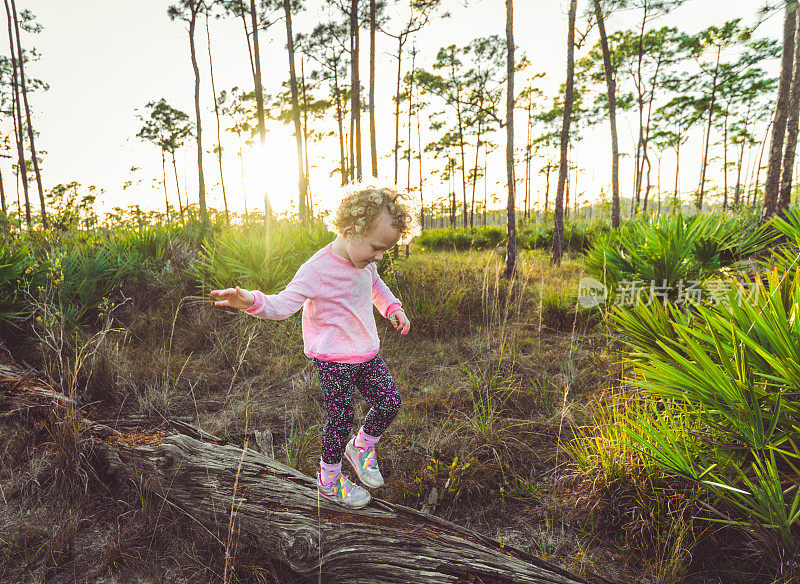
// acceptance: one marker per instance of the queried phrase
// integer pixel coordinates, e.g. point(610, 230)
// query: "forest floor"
point(493, 387)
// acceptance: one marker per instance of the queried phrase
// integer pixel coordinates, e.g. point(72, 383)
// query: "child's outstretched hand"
point(400, 322)
point(234, 297)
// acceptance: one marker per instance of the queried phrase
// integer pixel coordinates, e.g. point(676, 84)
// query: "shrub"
point(725, 382)
point(672, 251)
point(258, 258)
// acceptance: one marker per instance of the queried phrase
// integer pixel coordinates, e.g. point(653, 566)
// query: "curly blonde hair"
point(362, 205)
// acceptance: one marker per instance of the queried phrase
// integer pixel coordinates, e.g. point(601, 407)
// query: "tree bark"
point(772, 184)
point(785, 193)
point(22, 169)
point(164, 176)
point(201, 183)
point(24, 91)
point(511, 242)
point(475, 175)
point(558, 220)
point(410, 112)
point(461, 143)
point(400, 40)
point(276, 509)
point(419, 159)
point(301, 175)
point(216, 114)
point(307, 166)
point(262, 129)
point(3, 198)
point(612, 114)
point(373, 145)
point(704, 166)
point(178, 184)
point(355, 89)
point(339, 119)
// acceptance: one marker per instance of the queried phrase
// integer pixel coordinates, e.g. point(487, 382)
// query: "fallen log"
point(276, 509)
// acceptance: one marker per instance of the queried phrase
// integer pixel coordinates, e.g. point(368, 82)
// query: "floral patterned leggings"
point(338, 382)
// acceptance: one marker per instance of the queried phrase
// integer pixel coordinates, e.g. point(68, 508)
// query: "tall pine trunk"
point(419, 158)
point(511, 242)
point(201, 183)
point(373, 145)
point(219, 134)
point(410, 113)
point(262, 128)
point(558, 220)
point(475, 175)
point(772, 184)
point(785, 194)
point(612, 114)
point(355, 88)
point(704, 166)
point(24, 90)
point(178, 185)
point(164, 182)
point(400, 40)
point(309, 205)
point(22, 169)
point(461, 141)
point(301, 175)
point(339, 123)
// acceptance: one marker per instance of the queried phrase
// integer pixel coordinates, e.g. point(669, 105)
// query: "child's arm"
point(388, 305)
point(275, 306)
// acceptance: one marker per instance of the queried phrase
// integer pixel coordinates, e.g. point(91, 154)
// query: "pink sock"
point(364, 440)
point(329, 472)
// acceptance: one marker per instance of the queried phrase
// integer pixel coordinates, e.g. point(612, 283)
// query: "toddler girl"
point(337, 288)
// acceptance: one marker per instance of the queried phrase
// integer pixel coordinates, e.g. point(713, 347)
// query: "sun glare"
point(272, 170)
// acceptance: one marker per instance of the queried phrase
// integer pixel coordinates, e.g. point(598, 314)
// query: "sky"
point(105, 60)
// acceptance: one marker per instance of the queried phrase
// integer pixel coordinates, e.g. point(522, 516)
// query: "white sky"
point(103, 60)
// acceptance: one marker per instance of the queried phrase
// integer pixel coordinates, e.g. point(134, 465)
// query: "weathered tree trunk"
point(511, 237)
point(612, 114)
point(301, 175)
point(558, 221)
point(24, 91)
point(216, 114)
point(785, 194)
point(772, 184)
point(22, 169)
point(276, 509)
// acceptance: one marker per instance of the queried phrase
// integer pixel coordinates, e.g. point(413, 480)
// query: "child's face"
point(370, 248)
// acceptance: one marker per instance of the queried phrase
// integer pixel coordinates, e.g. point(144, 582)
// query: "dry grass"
point(494, 376)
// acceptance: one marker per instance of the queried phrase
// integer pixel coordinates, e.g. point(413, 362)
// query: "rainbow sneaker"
point(365, 463)
point(344, 492)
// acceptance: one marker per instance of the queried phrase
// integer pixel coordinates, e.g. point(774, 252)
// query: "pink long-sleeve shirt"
point(337, 300)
